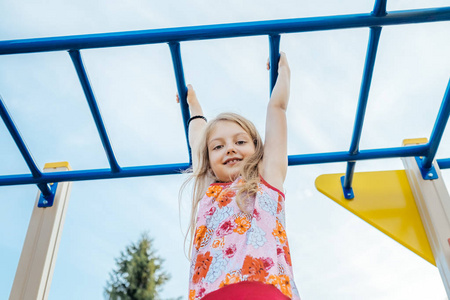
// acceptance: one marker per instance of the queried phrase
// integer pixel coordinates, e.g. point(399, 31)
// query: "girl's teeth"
point(231, 161)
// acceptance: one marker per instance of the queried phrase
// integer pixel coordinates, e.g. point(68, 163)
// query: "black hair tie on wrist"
point(196, 117)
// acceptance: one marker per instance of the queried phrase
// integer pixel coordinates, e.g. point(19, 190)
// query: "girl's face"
point(228, 145)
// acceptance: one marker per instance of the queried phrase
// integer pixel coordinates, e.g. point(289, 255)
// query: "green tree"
point(138, 274)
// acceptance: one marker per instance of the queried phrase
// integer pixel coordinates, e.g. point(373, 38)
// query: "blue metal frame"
point(173, 36)
point(362, 105)
point(379, 10)
point(438, 129)
point(84, 80)
point(48, 201)
point(182, 34)
point(36, 173)
point(274, 56)
point(182, 89)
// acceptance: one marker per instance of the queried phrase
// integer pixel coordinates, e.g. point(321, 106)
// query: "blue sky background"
point(335, 254)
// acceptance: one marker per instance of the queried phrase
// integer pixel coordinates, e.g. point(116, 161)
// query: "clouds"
point(335, 255)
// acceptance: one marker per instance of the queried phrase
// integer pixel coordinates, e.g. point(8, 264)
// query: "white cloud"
point(337, 256)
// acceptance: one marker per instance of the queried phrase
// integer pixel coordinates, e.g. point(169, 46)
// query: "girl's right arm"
point(196, 126)
point(275, 162)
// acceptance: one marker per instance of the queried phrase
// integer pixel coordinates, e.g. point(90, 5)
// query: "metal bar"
point(94, 174)
point(363, 98)
point(9, 122)
point(26, 154)
point(365, 87)
point(168, 169)
point(379, 9)
point(274, 56)
point(438, 130)
point(348, 178)
point(332, 157)
point(443, 163)
point(182, 89)
point(84, 80)
point(154, 36)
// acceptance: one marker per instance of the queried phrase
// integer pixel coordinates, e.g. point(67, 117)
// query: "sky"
point(335, 254)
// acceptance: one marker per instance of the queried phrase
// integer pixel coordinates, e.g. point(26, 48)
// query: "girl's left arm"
point(275, 163)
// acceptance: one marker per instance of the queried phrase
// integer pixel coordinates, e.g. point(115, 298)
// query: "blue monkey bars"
point(362, 105)
point(84, 80)
point(173, 36)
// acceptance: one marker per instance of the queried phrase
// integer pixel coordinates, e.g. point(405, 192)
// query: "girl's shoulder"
point(273, 176)
point(271, 180)
point(265, 185)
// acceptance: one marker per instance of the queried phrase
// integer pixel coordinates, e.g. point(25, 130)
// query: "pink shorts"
point(247, 290)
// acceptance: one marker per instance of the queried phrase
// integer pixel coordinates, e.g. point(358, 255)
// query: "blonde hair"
point(203, 175)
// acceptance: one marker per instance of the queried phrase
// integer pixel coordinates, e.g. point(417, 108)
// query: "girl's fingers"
point(190, 90)
point(283, 59)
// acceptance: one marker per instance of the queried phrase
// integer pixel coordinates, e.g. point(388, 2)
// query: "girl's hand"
point(191, 96)
point(282, 63)
point(195, 128)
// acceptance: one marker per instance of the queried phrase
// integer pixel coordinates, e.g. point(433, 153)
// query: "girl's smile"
point(228, 145)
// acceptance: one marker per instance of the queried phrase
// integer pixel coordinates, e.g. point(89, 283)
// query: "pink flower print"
point(279, 251)
point(230, 251)
point(268, 263)
point(210, 212)
point(256, 215)
point(201, 292)
point(225, 228)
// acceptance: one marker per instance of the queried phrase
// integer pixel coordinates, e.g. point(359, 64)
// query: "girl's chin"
point(229, 178)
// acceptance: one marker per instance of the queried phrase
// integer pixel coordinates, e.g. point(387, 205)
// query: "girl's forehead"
point(224, 128)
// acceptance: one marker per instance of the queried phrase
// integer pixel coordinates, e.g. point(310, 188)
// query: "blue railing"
point(173, 36)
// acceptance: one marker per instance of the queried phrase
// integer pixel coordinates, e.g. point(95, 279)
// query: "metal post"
point(182, 90)
point(433, 202)
point(369, 65)
point(95, 111)
point(12, 128)
point(274, 57)
point(438, 129)
point(37, 261)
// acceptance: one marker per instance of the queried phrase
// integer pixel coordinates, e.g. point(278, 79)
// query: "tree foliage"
point(138, 274)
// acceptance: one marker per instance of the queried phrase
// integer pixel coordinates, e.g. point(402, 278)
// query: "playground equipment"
point(419, 159)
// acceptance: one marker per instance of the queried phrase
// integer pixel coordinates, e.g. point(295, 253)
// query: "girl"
point(240, 249)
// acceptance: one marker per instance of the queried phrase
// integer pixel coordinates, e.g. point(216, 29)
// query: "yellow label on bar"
point(415, 141)
point(54, 165)
point(384, 200)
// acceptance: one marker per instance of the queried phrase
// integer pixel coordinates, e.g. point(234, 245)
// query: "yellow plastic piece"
point(384, 200)
point(415, 141)
point(54, 165)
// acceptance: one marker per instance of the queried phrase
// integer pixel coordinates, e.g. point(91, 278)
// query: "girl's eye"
point(217, 147)
point(241, 142)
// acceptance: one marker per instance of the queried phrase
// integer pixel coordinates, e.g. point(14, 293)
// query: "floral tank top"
point(231, 246)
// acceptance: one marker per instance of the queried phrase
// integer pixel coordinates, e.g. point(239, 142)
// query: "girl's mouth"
point(232, 161)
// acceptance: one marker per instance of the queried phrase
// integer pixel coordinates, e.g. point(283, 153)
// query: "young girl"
point(240, 249)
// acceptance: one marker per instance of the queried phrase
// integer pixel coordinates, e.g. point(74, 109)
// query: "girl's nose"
point(231, 149)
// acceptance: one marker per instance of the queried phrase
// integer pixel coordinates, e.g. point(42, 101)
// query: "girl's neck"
point(226, 181)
